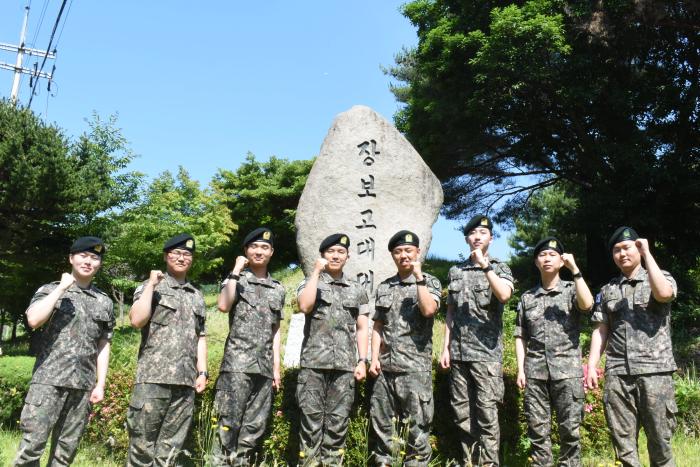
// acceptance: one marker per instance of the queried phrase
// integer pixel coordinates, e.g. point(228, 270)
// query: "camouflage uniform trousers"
point(476, 390)
point(325, 399)
point(401, 410)
point(242, 402)
point(566, 395)
point(158, 419)
point(641, 400)
point(61, 412)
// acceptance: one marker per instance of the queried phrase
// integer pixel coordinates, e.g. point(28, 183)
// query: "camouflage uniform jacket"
point(256, 310)
point(168, 351)
point(549, 323)
point(477, 327)
point(68, 350)
point(639, 327)
point(407, 335)
point(330, 341)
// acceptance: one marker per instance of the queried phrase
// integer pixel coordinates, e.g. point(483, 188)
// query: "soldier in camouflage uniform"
point(547, 328)
point(250, 368)
point(473, 344)
point(633, 312)
point(71, 366)
point(334, 306)
point(401, 406)
point(172, 362)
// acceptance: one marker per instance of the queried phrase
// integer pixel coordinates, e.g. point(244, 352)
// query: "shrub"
point(15, 375)
point(688, 400)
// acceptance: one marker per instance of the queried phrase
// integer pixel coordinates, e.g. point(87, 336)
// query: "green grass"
point(88, 455)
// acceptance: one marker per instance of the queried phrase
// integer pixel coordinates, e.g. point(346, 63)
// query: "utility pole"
point(21, 50)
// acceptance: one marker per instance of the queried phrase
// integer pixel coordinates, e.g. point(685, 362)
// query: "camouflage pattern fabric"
point(567, 397)
point(330, 340)
point(257, 309)
point(325, 399)
point(158, 420)
point(49, 408)
point(242, 404)
point(548, 321)
point(631, 401)
point(476, 390)
point(407, 336)
point(168, 351)
point(68, 341)
point(477, 330)
point(401, 409)
point(639, 335)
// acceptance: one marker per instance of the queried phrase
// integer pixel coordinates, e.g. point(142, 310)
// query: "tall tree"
point(506, 98)
point(53, 189)
point(265, 194)
point(168, 206)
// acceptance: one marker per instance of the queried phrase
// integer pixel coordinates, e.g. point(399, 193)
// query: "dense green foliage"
point(168, 206)
point(265, 194)
point(15, 374)
point(52, 189)
point(504, 98)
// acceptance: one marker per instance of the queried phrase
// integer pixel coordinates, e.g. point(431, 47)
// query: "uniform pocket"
point(482, 296)
point(165, 310)
point(671, 411)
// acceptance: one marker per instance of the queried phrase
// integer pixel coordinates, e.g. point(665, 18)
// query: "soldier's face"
point(336, 256)
point(626, 255)
point(404, 255)
point(479, 237)
point(259, 253)
point(85, 264)
point(548, 261)
point(178, 261)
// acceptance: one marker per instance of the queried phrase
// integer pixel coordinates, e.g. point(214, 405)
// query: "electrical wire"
point(48, 48)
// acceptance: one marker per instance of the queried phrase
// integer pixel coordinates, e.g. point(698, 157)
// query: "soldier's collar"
point(89, 290)
point(639, 277)
point(556, 289)
point(253, 279)
point(174, 284)
point(409, 280)
point(328, 279)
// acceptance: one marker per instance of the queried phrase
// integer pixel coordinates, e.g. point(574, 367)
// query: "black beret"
point(478, 221)
point(261, 234)
point(403, 237)
point(548, 243)
point(622, 234)
point(91, 244)
point(335, 239)
point(184, 241)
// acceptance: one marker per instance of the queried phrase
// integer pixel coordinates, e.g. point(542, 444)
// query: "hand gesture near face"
point(155, 277)
point(320, 264)
point(642, 245)
point(241, 263)
point(477, 257)
point(569, 262)
point(66, 281)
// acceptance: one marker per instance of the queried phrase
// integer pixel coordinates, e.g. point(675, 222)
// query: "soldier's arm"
point(374, 368)
point(103, 349)
point(141, 309)
point(584, 297)
point(276, 364)
point(449, 320)
point(307, 297)
point(599, 338)
point(201, 382)
point(661, 288)
point(40, 310)
point(227, 295)
point(520, 358)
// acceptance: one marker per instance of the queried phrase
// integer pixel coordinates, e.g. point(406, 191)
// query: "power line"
point(43, 62)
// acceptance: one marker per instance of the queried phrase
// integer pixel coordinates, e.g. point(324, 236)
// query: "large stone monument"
point(368, 182)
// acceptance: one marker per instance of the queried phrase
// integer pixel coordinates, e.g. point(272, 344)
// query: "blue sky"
point(201, 84)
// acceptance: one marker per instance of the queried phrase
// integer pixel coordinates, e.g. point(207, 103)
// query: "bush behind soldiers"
point(69, 375)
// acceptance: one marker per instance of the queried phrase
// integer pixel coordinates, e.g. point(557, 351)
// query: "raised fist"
point(155, 277)
point(66, 281)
